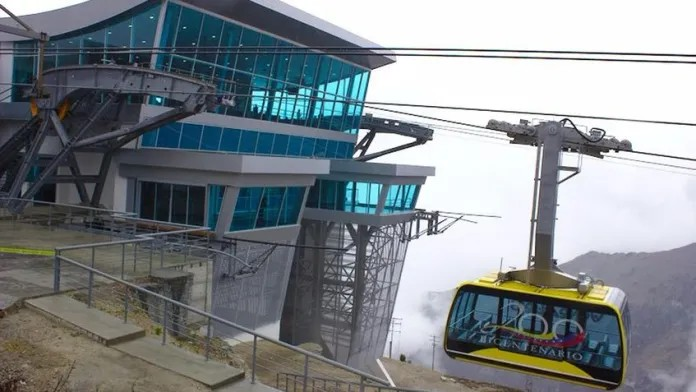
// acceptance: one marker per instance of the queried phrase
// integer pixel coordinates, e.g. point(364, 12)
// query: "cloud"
point(682, 379)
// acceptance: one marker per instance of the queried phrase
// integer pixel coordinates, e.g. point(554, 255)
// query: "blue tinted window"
point(269, 208)
point(169, 136)
point(191, 136)
point(231, 33)
point(292, 205)
point(265, 144)
point(247, 59)
point(331, 147)
point(230, 140)
point(149, 139)
point(280, 145)
point(211, 138)
point(248, 144)
point(295, 146)
point(210, 36)
point(345, 150)
point(171, 19)
point(320, 148)
point(246, 209)
point(188, 29)
point(307, 146)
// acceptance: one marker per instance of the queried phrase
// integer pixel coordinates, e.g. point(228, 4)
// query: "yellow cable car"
point(539, 320)
point(554, 333)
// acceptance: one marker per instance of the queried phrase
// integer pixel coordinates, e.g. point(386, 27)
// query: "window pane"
point(70, 46)
point(280, 145)
point(231, 34)
point(295, 146)
point(179, 203)
point(282, 60)
point(171, 19)
point(291, 207)
point(147, 200)
point(307, 146)
point(191, 136)
point(209, 39)
point(230, 140)
point(196, 205)
point(211, 138)
point(269, 208)
point(264, 63)
point(247, 206)
point(162, 200)
point(265, 144)
point(328, 195)
point(313, 196)
point(189, 28)
point(320, 148)
point(260, 97)
point(247, 58)
point(295, 69)
point(149, 139)
point(169, 135)
point(331, 147)
point(248, 144)
point(310, 70)
point(93, 47)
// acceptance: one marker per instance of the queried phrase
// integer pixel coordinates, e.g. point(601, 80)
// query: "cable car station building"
point(157, 108)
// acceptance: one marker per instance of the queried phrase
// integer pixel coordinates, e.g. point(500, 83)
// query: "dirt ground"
point(42, 355)
point(412, 376)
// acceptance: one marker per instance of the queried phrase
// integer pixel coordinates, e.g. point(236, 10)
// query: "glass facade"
point(361, 197)
point(258, 207)
point(95, 44)
point(301, 87)
point(172, 202)
point(211, 138)
point(401, 198)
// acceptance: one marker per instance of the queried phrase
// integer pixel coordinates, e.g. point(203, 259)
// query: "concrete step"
point(106, 329)
point(209, 373)
point(247, 386)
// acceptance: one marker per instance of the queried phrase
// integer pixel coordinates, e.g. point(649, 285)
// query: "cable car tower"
point(552, 139)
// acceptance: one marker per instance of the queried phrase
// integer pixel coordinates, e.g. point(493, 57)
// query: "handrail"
point(333, 380)
point(102, 244)
point(77, 206)
point(363, 375)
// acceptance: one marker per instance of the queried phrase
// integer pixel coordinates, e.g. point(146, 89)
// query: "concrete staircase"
point(131, 340)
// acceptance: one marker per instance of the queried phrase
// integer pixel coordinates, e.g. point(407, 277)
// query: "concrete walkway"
point(130, 339)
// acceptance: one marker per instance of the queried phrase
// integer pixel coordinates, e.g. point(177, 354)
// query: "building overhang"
point(71, 18)
point(383, 173)
point(270, 16)
point(356, 218)
point(286, 21)
point(194, 167)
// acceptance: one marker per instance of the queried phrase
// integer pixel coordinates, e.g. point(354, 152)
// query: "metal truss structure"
point(377, 125)
point(84, 106)
point(343, 288)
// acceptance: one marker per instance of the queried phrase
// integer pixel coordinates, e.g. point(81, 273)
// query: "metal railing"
point(264, 357)
point(291, 382)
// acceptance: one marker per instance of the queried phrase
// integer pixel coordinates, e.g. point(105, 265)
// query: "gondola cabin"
point(553, 333)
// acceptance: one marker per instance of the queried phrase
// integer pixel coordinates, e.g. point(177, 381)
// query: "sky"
point(611, 206)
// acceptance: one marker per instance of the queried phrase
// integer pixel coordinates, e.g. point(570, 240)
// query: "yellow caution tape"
point(26, 251)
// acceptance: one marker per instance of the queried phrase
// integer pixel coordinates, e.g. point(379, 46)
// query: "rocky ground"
point(37, 355)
